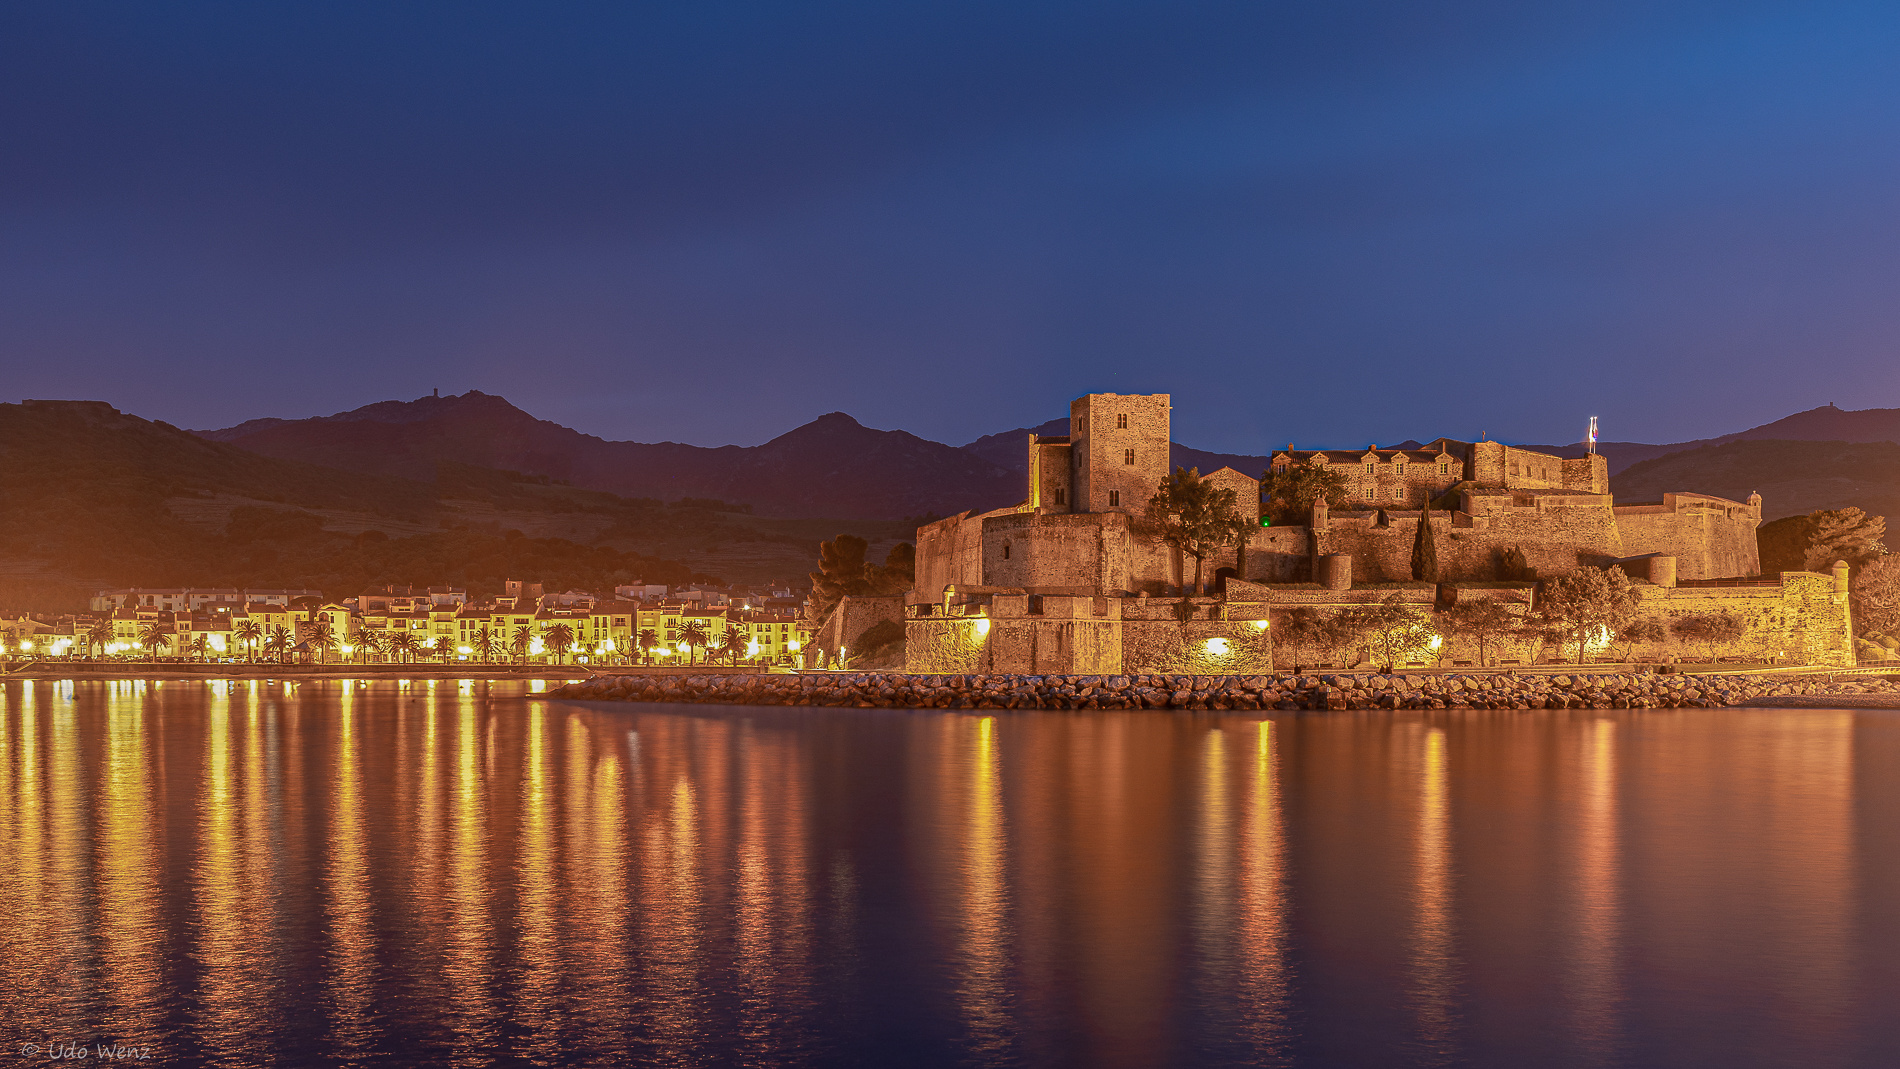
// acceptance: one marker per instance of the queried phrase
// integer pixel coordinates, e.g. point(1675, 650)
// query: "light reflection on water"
point(448, 872)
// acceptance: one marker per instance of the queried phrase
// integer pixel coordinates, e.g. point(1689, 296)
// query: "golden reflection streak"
point(752, 913)
point(539, 940)
point(353, 951)
point(130, 955)
point(607, 914)
point(670, 906)
point(1264, 982)
point(220, 884)
point(67, 831)
point(29, 985)
point(469, 927)
point(982, 986)
point(1595, 994)
point(1434, 966)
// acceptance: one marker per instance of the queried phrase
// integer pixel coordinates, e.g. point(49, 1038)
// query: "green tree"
point(1293, 490)
point(842, 573)
point(402, 646)
point(1191, 514)
point(1812, 543)
point(249, 633)
point(485, 642)
point(1304, 627)
point(734, 642)
point(1587, 606)
point(279, 643)
point(696, 638)
point(155, 639)
point(101, 635)
point(1715, 630)
point(201, 648)
point(1642, 631)
point(1874, 597)
point(1394, 630)
point(1425, 549)
point(560, 639)
point(649, 640)
point(1484, 621)
point(321, 638)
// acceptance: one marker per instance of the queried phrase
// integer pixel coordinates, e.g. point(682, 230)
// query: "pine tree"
point(1425, 549)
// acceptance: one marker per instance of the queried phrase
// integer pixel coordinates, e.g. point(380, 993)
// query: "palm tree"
point(278, 642)
point(154, 639)
point(484, 642)
point(200, 648)
point(401, 645)
point(735, 642)
point(648, 639)
point(696, 639)
point(248, 632)
point(100, 635)
point(523, 640)
point(560, 640)
point(321, 638)
point(493, 646)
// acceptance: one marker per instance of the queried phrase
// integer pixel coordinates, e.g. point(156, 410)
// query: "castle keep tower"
point(1118, 450)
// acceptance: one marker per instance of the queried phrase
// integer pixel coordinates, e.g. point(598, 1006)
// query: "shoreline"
point(1328, 692)
point(211, 673)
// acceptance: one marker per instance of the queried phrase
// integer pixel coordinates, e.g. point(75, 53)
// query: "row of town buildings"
point(524, 623)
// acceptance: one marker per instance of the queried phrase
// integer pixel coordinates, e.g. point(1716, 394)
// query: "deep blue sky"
point(1330, 223)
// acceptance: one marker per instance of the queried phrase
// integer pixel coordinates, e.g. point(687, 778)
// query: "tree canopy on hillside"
point(1193, 515)
point(1291, 493)
point(1812, 543)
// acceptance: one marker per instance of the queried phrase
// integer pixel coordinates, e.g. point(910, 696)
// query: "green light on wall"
point(1266, 521)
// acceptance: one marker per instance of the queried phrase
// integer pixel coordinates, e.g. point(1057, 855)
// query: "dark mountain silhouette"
point(832, 466)
point(1824, 424)
point(1793, 478)
point(91, 494)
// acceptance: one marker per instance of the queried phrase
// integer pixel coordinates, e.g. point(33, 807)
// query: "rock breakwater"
point(1308, 692)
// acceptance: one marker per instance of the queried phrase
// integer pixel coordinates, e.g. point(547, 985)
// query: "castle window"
point(1399, 467)
point(1372, 469)
point(1398, 494)
point(1060, 495)
point(1121, 423)
point(1444, 469)
point(1114, 498)
point(1128, 456)
point(1006, 551)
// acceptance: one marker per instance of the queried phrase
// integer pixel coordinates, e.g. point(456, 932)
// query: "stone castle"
point(1065, 582)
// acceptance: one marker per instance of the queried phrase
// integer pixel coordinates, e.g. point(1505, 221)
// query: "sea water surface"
point(466, 874)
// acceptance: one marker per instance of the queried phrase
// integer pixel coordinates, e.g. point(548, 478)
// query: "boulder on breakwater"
point(895, 690)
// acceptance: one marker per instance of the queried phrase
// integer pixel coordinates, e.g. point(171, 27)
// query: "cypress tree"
point(1424, 549)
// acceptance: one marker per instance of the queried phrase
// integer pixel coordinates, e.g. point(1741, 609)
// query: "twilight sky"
point(1329, 223)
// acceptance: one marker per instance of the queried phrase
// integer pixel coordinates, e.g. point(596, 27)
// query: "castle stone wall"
point(1050, 471)
point(1555, 541)
point(1710, 537)
point(1105, 478)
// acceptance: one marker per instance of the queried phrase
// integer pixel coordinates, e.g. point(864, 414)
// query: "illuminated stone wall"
point(1104, 430)
point(1710, 537)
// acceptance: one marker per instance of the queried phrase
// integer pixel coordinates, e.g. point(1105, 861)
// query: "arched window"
point(1121, 423)
point(1128, 456)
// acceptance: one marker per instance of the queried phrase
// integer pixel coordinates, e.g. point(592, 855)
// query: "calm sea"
point(465, 873)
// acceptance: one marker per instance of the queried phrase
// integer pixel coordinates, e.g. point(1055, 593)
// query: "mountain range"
point(836, 466)
point(471, 488)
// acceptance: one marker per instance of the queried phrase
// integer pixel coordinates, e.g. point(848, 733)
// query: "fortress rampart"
point(1066, 581)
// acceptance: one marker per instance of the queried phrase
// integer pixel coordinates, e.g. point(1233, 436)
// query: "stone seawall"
point(1313, 692)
